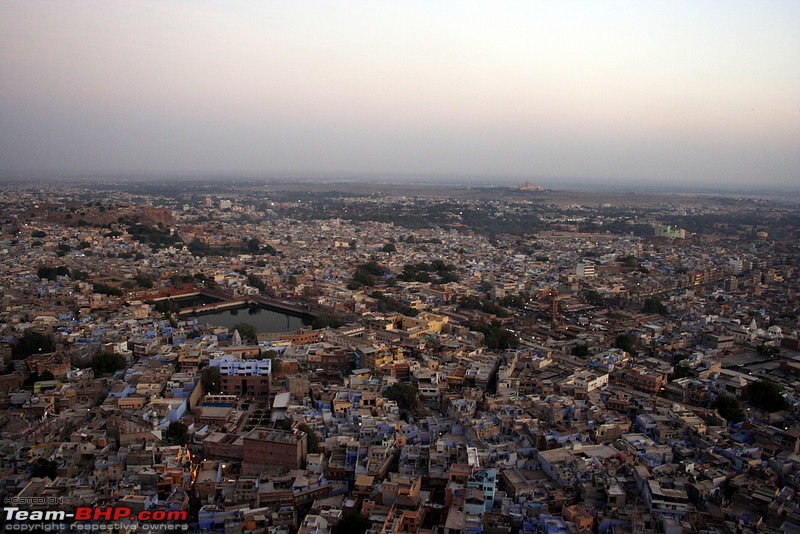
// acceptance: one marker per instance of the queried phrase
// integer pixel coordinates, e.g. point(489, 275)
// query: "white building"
point(585, 269)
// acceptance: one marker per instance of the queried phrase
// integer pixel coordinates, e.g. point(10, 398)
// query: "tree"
point(210, 380)
point(352, 522)
point(327, 320)
point(144, 281)
point(581, 350)
point(768, 350)
point(107, 362)
point(681, 370)
point(404, 394)
point(312, 441)
point(44, 468)
point(625, 342)
point(253, 244)
point(36, 377)
point(106, 290)
point(256, 282)
point(247, 331)
point(766, 395)
point(52, 273)
point(594, 298)
point(390, 247)
point(177, 433)
point(31, 343)
point(77, 274)
point(498, 338)
point(728, 407)
point(366, 275)
point(654, 305)
point(276, 363)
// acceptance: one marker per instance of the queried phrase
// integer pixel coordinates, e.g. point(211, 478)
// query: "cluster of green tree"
point(404, 394)
point(789, 314)
point(366, 275)
point(729, 222)
point(728, 407)
point(498, 338)
point(38, 234)
point(248, 332)
point(515, 301)
point(626, 342)
point(155, 236)
point(489, 222)
point(256, 282)
point(106, 290)
point(166, 307)
point(36, 377)
point(179, 280)
point(483, 219)
point(594, 298)
point(580, 350)
point(253, 245)
point(768, 350)
point(177, 433)
point(617, 227)
point(31, 343)
point(210, 380)
point(421, 272)
point(130, 256)
point(144, 281)
point(51, 273)
point(62, 249)
point(249, 245)
point(327, 320)
point(680, 370)
point(469, 302)
point(42, 468)
point(391, 304)
point(766, 395)
point(352, 522)
point(107, 363)
point(654, 305)
point(199, 248)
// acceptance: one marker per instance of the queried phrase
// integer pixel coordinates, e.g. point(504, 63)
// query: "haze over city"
point(634, 93)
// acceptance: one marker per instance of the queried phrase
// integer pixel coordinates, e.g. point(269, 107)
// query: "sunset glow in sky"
point(640, 91)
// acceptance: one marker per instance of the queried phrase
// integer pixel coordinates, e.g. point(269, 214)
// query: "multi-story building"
point(244, 378)
point(265, 449)
point(585, 269)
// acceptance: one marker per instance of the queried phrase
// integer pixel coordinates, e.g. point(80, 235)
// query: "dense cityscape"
point(328, 358)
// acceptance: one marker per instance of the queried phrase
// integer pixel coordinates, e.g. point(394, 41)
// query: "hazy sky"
point(696, 91)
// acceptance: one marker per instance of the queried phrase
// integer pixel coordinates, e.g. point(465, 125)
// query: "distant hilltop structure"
point(527, 186)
